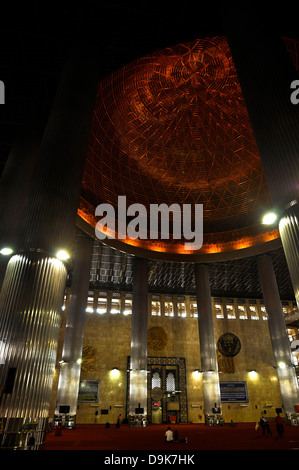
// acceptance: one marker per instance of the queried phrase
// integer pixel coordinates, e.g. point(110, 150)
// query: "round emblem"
point(157, 338)
point(156, 393)
point(229, 345)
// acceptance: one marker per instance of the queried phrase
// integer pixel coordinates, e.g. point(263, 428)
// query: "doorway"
point(157, 415)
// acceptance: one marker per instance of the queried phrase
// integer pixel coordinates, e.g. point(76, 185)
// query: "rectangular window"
point(264, 313)
point(89, 307)
point(168, 309)
point(102, 305)
point(193, 309)
point(253, 312)
point(115, 306)
point(219, 311)
point(156, 308)
point(242, 312)
point(230, 312)
point(181, 309)
point(128, 307)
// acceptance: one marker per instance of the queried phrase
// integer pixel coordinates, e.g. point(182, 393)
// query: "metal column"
point(209, 363)
point(265, 71)
point(69, 377)
point(138, 367)
point(32, 294)
point(280, 342)
point(14, 186)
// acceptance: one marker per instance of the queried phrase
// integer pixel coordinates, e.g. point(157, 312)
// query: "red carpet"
point(200, 437)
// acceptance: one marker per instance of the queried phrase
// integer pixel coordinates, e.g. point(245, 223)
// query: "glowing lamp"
point(269, 218)
point(6, 251)
point(62, 255)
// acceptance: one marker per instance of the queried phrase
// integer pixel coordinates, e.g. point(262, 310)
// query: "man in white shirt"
point(169, 435)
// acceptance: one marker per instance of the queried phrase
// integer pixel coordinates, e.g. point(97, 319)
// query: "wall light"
point(253, 374)
point(114, 373)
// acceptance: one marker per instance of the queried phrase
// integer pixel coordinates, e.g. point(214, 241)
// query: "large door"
point(157, 415)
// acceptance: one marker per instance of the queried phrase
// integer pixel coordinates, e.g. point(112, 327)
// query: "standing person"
point(169, 435)
point(118, 422)
point(263, 424)
point(268, 429)
point(279, 425)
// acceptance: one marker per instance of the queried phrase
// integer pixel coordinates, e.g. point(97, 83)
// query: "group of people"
point(266, 429)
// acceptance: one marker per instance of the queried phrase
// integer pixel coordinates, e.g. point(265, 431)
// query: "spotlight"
point(269, 218)
point(6, 251)
point(282, 365)
point(62, 255)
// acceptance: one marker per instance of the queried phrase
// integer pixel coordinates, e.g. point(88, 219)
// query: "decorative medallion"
point(156, 338)
point(229, 345)
point(156, 393)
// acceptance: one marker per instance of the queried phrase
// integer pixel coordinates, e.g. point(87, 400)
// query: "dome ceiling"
point(172, 127)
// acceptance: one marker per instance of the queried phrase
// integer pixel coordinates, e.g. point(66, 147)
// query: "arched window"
point(156, 380)
point(170, 382)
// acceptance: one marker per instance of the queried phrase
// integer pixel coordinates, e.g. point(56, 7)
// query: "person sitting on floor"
point(169, 435)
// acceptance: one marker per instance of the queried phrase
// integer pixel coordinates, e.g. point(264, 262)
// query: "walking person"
point(279, 425)
point(263, 424)
point(117, 426)
point(268, 429)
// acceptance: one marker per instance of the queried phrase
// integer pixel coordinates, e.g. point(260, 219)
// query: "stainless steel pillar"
point(138, 368)
point(69, 377)
point(265, 71)
point(34, 283)
point(209, 363)
point(280, 342)
point(14, 186)
point(289, 234)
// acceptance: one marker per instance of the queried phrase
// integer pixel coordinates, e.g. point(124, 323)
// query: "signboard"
point(233, 392)
point(88, 391)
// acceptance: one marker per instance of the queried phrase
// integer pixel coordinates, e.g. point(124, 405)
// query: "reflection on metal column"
point(69, 377)
point(138, 367)
point(209, 364)
point(280, 342)
point(30, 304)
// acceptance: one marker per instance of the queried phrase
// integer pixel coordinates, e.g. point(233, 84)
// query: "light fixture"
point(62, 255)
point(114, 372)
point(282, 365)
point(6, 251)
point(253, 374)
point(269, 218)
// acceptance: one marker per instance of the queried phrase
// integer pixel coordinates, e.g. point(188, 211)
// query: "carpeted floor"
point(199, 437)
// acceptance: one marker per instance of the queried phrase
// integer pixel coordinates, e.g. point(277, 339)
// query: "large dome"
point(172, 127)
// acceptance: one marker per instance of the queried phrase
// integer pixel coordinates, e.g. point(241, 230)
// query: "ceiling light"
point(62, 255)
point(6, 251)
point(269, 218)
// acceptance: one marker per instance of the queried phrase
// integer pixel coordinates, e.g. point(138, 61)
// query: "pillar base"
point(23, 433)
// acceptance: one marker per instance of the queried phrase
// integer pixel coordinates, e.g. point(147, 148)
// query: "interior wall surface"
point(173, 333)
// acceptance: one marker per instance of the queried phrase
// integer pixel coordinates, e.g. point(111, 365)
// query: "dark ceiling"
point(35, 41)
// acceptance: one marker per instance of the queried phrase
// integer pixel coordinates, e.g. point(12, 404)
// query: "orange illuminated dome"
point(172, 127)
